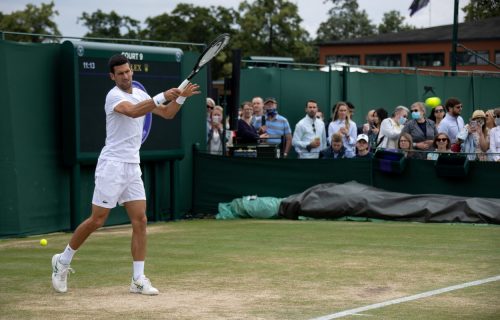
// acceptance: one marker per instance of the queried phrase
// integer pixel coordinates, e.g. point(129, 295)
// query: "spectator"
point(405, 144)
point(390, 128)
point(452, 123)
point(422, 130)
point(210, 106)
point(341, 123)
point(378, 116)
point(362, 149)
point(277, 126)
point(215, 132)
point(246, 131)
point(441, 144)
point(474, 138)
point(309, 137)
point(351, 109)
point(490, 119)
point(437, 115)
point(495, 137)
point(336, 150)
point(258, 112)
point(366, 128)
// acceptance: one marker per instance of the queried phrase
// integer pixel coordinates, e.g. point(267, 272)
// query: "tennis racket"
point(148, 119)
point(208, 54)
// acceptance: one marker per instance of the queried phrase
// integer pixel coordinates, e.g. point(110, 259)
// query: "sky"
point(313, 12)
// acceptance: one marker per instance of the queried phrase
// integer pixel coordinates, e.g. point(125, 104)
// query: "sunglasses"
point(314, 127)
point(442, 140)
point(210, 107)
point(438, 110)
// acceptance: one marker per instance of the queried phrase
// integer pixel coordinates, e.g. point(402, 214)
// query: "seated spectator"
point(309, 137)
point(362, 148)
point(437, 114)
point(246, 132)
point(441, 144)
point(390, 128)
point(473, 138)
point(336, 150)
point(421, 129)
point(342, 123)
point(215, 132)
point(276, 126)
point(405, 144)
point(495, 137)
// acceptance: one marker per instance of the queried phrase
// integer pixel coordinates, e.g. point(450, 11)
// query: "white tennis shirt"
point(123, 133)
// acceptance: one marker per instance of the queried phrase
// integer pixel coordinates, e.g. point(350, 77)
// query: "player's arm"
point(140, 109)
point(170, 110)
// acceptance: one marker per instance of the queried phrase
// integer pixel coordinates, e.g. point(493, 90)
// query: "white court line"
point(406, 299)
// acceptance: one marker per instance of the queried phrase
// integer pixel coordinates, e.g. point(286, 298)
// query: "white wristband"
point(159, 99)
point(180, 100)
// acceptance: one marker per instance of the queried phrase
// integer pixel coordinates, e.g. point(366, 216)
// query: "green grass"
point(255, 269)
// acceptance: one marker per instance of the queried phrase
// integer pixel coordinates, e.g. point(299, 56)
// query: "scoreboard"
point(85, 83)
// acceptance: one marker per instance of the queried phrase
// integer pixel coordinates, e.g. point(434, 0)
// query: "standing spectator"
point(258, 112)
point(452, 123)
point(210, 106)
point(405, 144)
point(390, 128)
point(379, 115)
point(246, 131)
point(495, 137)
point(474, 137)
point(336, 150)
point(342, 123)
point(437, 115)
point(421, 129)
point(490, 119)
point(369, 123)
point(441, 144)
point(277, 126)
point(309, 137)
point(362, 150)
point(216, 132)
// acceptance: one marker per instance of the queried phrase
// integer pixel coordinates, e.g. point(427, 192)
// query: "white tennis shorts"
point(117, 182)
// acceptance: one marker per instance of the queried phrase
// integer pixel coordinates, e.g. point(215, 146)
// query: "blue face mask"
point(402, 120)
point(271, 112)
point(415, 115)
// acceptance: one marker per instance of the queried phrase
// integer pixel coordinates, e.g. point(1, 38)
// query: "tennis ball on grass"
point(433, 102)
point(43, 242)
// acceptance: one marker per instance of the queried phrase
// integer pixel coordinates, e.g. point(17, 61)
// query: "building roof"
point(487, 29)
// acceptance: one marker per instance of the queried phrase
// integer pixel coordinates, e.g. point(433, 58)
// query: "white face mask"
point(216, 119)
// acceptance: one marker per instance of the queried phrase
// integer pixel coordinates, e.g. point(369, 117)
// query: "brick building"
point(428, 48)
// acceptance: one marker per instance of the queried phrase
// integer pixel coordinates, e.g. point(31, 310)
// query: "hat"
point(269, 100)
point(363, 137)
point(478, 114)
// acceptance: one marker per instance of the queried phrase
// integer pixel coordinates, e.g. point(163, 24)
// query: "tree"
point(345, 22)
point(189, 23)
point(272, 28)
point(110, 25)
point(393, 22)
point(481, 9)
point(32, 19)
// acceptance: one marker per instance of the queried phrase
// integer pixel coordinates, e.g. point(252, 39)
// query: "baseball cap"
point(269, 100)
point(363, 137)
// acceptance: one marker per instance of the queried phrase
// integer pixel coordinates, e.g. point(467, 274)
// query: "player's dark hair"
point(117, 60)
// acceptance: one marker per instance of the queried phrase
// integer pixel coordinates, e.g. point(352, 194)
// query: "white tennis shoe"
point(143, 286)
point(60, 274)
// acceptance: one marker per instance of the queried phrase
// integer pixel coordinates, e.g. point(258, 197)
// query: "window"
point(425, 59)
point(497, 57)
point(342, 58)
point(384, 60)
point(465, 58)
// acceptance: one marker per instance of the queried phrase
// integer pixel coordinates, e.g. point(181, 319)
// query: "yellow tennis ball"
point(433, 102)
point(43, 242)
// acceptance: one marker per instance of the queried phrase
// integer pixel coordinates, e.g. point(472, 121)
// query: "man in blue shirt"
point(277, 126)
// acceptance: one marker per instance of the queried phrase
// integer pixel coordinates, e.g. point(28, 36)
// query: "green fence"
point(222, 179)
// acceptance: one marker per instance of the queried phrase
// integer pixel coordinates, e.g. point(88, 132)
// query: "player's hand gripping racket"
point(208, 54)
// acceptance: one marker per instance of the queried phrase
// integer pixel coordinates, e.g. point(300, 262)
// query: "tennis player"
point(118, 174)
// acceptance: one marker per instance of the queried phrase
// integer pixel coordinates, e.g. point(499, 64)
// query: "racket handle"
point(183, 84)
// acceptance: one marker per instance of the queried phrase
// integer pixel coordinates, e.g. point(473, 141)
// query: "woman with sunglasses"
point(441, 144)
point(474, 138)
point(437, 115)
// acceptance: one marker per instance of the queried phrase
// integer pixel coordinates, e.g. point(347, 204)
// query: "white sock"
point(138, 269)
point(67, 255)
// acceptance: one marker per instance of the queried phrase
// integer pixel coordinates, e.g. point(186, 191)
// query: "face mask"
point(415, 115)
point(271, 112)
point(216, 119)
point(497, 122)
point(402, 120)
